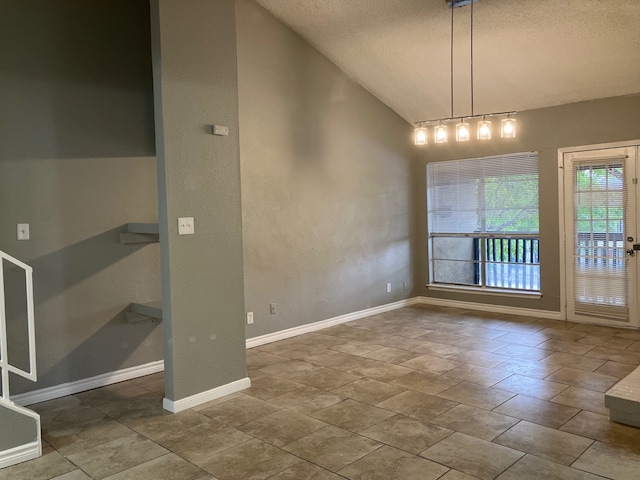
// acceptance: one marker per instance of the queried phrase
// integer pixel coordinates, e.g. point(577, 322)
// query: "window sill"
point(483, 291)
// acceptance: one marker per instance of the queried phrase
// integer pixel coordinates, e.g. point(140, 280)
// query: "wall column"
point(195, 86)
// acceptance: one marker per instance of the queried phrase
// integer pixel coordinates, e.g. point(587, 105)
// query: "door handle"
point(631, 252)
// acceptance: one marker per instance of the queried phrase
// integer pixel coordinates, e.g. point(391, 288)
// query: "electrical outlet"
point(272, 309)
point(249, 318)
point(388, 288)
point(404, 285)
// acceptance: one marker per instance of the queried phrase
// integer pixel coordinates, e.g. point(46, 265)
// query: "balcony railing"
point(600, 249)
point(512, 263)
point(506, 262)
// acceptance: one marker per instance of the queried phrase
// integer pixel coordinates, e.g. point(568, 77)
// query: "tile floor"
point(416, 393)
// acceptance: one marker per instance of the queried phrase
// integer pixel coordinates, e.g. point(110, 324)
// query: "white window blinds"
point(484, 196)
point(600, 209)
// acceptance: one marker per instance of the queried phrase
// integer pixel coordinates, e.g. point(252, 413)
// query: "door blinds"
point(600, 204)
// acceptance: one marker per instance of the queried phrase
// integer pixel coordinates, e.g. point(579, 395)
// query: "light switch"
point(185, 226)
point(23, 231)
point(221, 130)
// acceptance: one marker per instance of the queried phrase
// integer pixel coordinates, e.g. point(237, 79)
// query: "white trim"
point(5, 366)
point(527, 312)
point(175, 406)
point(15, 261)
point(78, 386)
point(599, 146)
point(312, 327)
point(20, 454)
point(563, 237)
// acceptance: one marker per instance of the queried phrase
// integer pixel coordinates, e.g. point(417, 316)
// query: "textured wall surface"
point(326, 183)
point(75, 79)
point(195, 78)
point(545, 131)
point(77, 163)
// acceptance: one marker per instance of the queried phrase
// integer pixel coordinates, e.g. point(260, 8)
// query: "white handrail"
point(5, 366)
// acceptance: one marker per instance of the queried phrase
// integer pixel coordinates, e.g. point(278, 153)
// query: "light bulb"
point(440, 134)
point(484, 130)
point(420, 136)
point(462, 132)
point(509, 128)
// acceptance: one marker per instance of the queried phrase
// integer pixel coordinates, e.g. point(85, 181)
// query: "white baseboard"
point(312, 327)
point(527, 312)
point(78, 386)
point(71, 388)
point(175, 406)
point(20, 454)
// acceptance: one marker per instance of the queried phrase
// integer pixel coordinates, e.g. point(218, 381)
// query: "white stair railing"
point(30, 450)
point(5, 366)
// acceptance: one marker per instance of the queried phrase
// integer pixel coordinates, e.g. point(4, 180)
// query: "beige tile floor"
point(417, 393)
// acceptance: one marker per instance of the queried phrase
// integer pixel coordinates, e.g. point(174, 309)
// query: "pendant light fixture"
point(508, 127)
point(484, 129)
point(462, 131)
point(440, 134)
point(463, 128)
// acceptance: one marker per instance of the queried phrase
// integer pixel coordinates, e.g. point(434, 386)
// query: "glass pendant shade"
point(484, 130)
point(508, 128)
point(420, 136)
point(462, 132)
point(440, 134)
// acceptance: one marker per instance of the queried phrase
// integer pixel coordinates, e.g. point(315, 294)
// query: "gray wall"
point(326, 183)
point(75, 79)
point(542, 130)
point(195, 84)
point(17, 429)
point(77, 163)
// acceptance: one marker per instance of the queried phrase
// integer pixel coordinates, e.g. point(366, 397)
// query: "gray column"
point(195, 86)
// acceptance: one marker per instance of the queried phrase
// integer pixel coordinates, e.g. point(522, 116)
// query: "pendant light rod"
point(451, 61)
point(471, 37)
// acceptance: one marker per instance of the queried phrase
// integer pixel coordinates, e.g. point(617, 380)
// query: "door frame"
point(561, 209)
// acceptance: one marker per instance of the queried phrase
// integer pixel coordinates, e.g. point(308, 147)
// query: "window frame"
point(482, 239)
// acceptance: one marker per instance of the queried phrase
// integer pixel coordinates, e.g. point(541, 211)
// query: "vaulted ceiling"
point(527, 53)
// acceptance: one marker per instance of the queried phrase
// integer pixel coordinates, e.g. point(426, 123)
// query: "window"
point(482, 221)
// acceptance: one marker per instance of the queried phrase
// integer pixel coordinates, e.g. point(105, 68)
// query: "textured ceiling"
point(527, 53)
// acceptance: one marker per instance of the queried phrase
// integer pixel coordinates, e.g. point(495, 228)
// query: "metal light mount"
point(459, 3)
